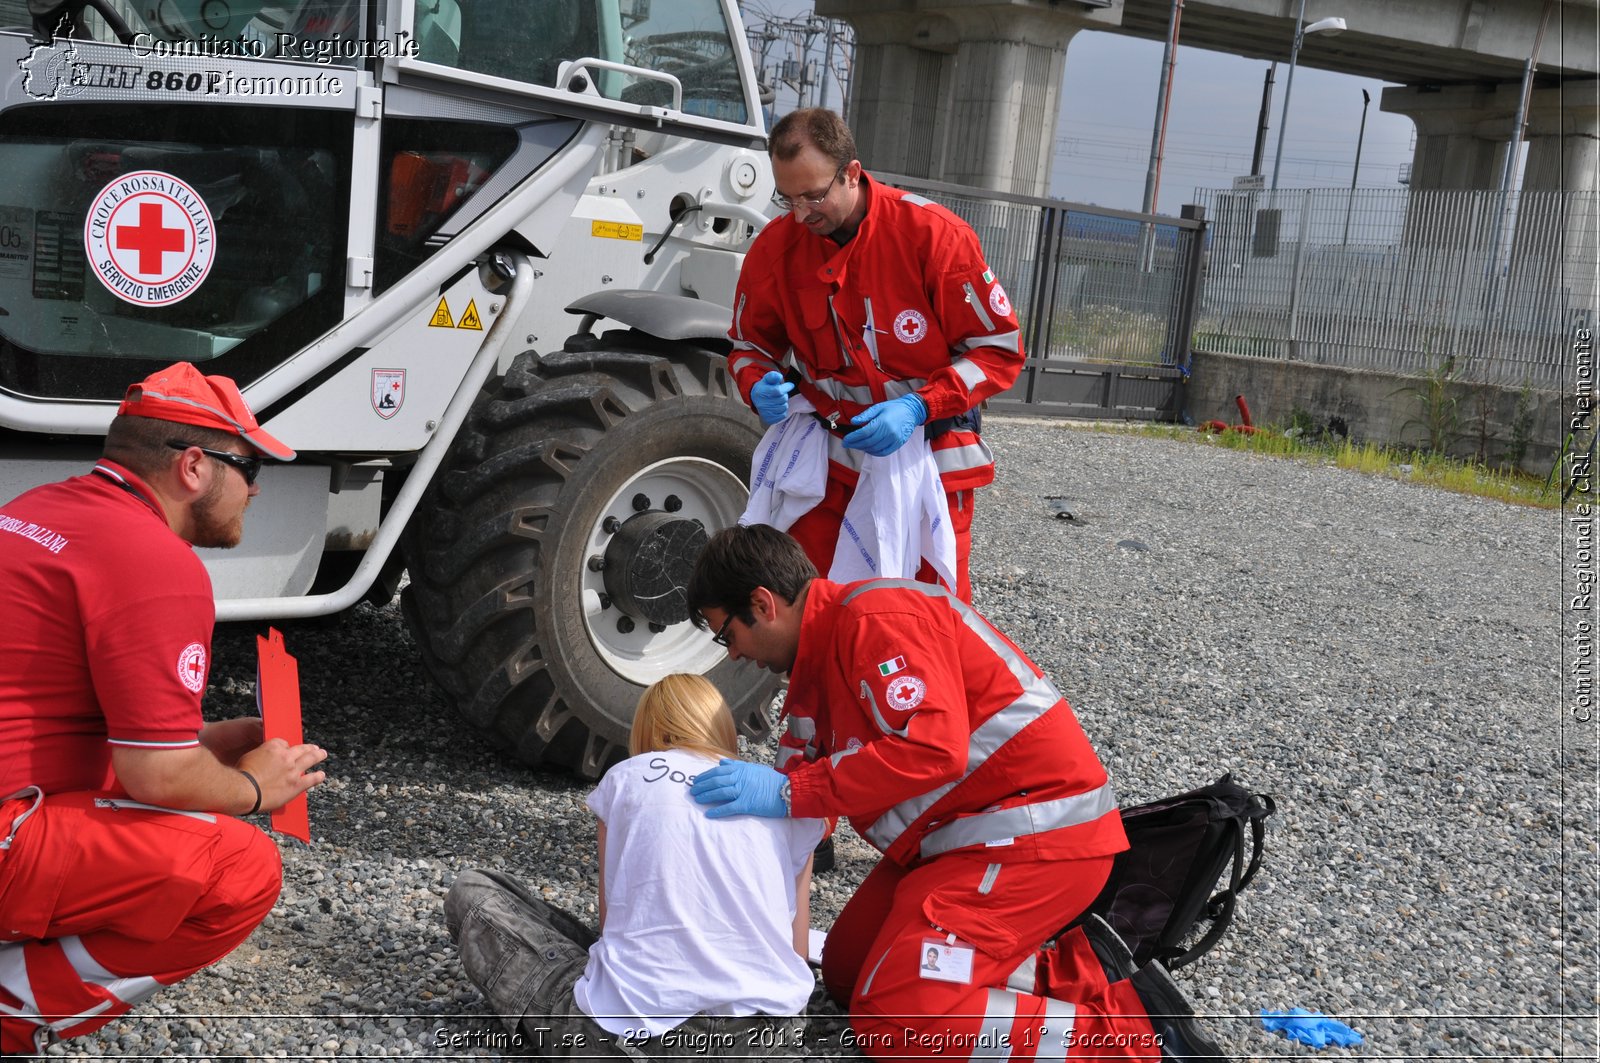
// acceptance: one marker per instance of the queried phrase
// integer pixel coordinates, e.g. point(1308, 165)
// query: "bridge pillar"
point(1556, 240)
point(1462, 132)
point(967, 94)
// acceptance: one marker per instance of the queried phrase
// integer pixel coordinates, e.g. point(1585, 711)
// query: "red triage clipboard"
point(278, 701)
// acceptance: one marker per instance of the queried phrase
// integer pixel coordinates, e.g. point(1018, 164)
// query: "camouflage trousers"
point(525, 955)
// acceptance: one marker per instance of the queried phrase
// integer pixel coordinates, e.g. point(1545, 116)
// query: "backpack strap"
point(1220, 908)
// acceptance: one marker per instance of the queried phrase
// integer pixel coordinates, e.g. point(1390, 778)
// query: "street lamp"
point(1366, 98)
point(1301, 31)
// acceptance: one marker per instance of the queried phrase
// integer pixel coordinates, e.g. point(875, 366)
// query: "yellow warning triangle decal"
point(441, 316)
point(469, 317)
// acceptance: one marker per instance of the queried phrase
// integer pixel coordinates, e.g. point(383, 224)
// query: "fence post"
point(1190, 282)
point(1037, 343)
point(1294, 282)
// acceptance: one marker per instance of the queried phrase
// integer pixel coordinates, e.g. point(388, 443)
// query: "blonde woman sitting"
point(703, 922)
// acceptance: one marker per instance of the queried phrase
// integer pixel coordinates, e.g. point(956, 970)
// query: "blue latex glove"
point(1309, 1027)
point(740, 788)
point(770, 397)
point(887, 425)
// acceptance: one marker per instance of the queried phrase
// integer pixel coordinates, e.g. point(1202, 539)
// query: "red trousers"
point(102, 902)
point(1022, 1001)
point(818, 533)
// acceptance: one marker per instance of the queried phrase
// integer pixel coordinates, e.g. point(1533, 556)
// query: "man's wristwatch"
point(783, 795)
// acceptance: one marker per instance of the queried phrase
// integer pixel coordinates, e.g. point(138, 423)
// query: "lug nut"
point(605, 601)
point(610, 525)
point(597, 563)
point(641, 502)
point(673, 504)
point(625, 625)
point(656, 629)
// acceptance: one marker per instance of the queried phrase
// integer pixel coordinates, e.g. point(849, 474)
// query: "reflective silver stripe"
point(877, 715)
point(895, 388)
point(786, 754)
point(994, 1036)
point(866, 987)
point(838, 334)
point(1025, 976)
point(989, 877)
point(977, 307)
point(1038, 696)
point(970, 372)
point(837, 757)
point(740, 342)
point(916, 200)
point(1055, 1031)
point(16, 824)
point(802, 727)
point(869, 335)
point(1006, 341)
point(14, 980)
point(739, 359)
point(968, 456)
point(1020, 821)
point(118, 803)
point(837, 390)
point(130, 990)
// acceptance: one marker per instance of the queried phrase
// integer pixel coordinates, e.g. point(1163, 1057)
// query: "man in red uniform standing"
point(122, 867)
point(952, 754)
point(878, 307)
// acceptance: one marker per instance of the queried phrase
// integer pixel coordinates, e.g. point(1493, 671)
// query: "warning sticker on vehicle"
point(16, 241)
point(616, 230)
point(150, 238)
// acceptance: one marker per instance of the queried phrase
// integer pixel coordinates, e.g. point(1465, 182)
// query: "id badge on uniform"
point(946, 960)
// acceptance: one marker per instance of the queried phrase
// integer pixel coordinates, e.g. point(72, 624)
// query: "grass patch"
point(1412, 466)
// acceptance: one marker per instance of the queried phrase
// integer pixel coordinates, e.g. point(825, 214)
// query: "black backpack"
point(1160, 890)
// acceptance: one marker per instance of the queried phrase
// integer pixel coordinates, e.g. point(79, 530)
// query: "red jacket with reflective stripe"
point(908, 304)
point(913, 716)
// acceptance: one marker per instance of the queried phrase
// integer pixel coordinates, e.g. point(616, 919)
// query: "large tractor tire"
point(549, 558)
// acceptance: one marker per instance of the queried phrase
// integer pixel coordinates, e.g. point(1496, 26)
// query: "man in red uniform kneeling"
point(122, 867)
point(952, 754)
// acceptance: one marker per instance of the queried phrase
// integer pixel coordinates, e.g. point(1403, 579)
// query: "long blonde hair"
point(683, 711)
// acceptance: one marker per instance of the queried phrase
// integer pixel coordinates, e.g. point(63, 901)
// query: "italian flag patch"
point(891, 667)
point(988, 276)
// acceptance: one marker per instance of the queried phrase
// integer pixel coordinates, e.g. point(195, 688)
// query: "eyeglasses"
point(722, 638)
point(249, 466)
point(817, 200)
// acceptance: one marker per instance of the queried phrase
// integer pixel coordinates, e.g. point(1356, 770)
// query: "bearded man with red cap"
point(122, 866)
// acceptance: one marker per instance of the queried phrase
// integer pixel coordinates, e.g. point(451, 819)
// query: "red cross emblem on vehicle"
point(149, 238)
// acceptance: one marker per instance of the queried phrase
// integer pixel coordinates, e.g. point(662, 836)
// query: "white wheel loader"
point(380, 217)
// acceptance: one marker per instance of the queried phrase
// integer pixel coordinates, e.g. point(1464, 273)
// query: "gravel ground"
point(1381, 657)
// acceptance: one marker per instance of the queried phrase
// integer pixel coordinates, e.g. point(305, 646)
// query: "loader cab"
point(225, 181)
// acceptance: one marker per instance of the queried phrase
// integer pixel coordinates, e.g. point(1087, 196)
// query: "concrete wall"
point(1372, 407)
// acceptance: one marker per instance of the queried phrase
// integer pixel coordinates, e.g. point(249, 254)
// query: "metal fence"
point(1484, 285)
point(1106, 297)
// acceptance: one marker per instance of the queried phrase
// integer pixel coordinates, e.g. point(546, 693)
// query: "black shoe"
point(1115, 956)
point(1180, 1033)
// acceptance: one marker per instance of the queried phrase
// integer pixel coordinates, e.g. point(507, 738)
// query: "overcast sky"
point(1108, 110)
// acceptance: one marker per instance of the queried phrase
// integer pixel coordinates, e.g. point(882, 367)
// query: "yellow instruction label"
point(469, 317)
point(616, 230)
point(441, 316)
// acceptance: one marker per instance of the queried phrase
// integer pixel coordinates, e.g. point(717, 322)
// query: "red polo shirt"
point(107, 632)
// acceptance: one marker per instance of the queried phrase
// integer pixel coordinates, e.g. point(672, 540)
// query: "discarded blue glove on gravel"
point(1309, 1027)
point(770, 397)
point(740, 788)
point(887, 425)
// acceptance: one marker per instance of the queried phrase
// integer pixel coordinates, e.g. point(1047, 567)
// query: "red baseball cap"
point(183, 394)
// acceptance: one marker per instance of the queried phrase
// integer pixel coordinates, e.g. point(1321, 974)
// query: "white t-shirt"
point(699, 912)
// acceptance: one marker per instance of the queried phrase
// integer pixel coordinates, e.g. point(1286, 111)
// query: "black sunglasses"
point(722, 638)
point(249, 466)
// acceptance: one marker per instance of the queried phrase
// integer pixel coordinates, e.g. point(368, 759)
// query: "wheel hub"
point(648, 563)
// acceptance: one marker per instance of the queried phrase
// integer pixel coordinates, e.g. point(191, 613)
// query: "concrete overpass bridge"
point(968, 91)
